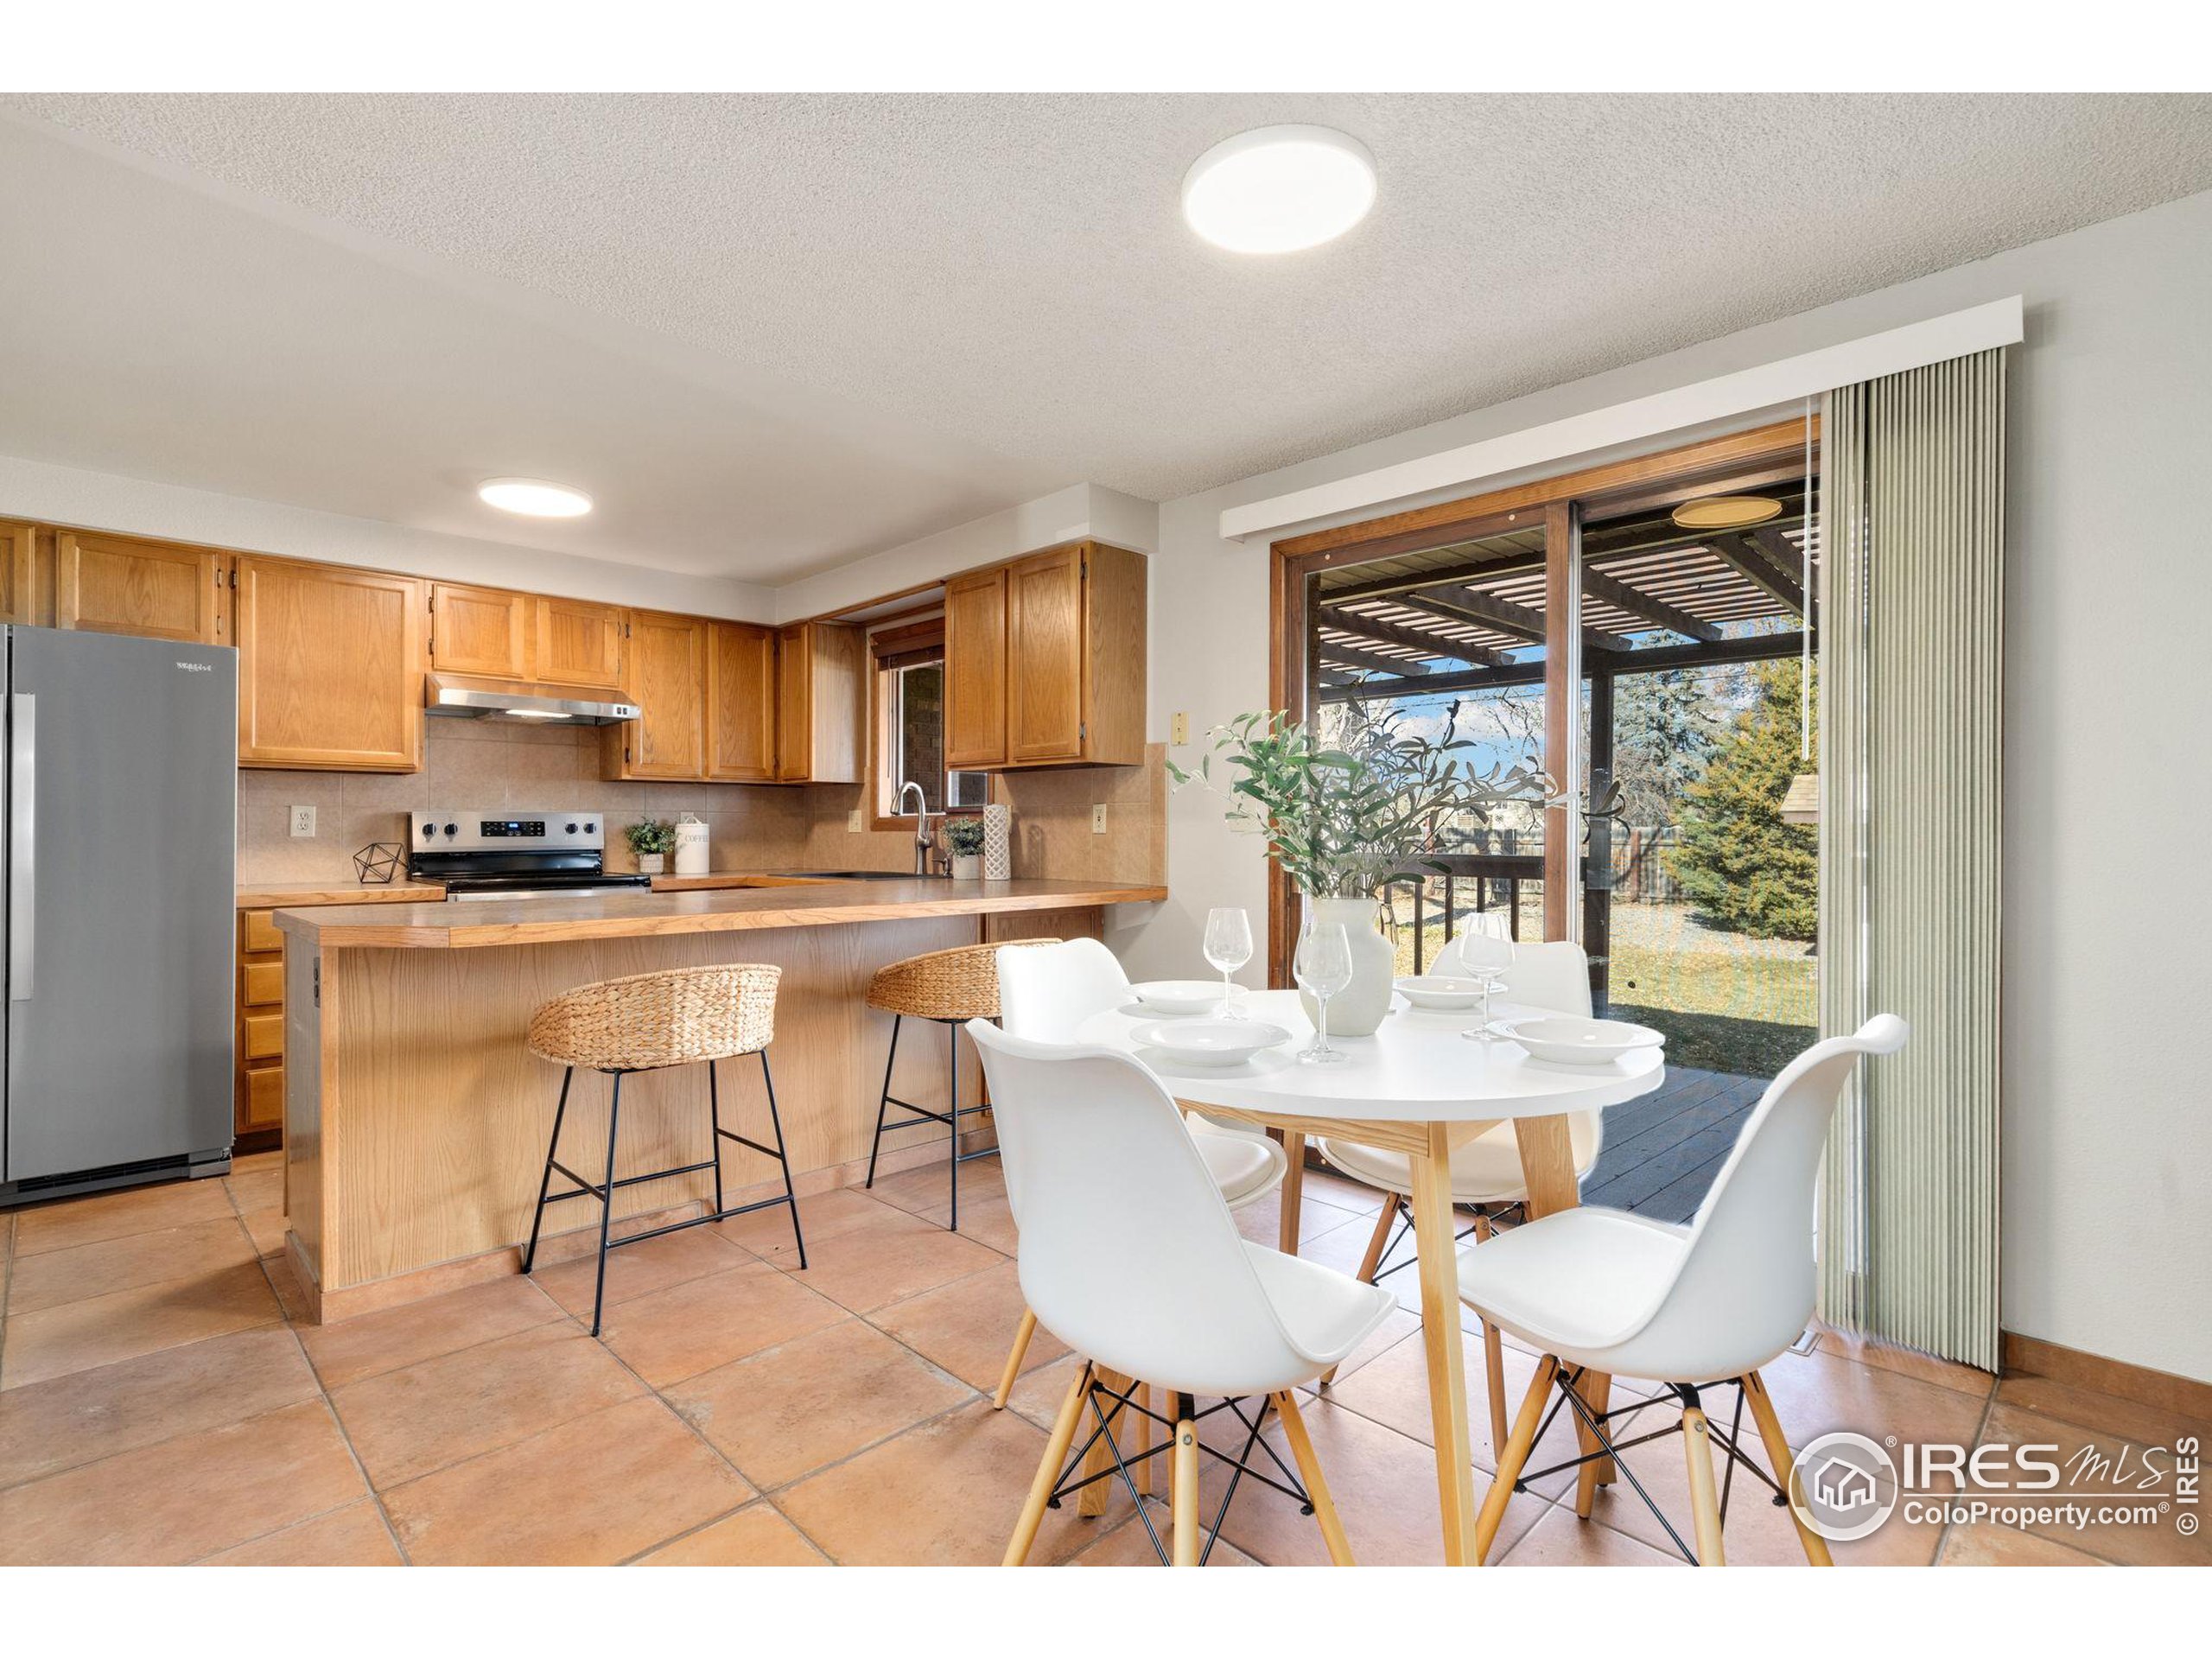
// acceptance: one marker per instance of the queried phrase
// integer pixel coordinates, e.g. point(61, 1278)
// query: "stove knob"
point(591, 829)
point(429, 830)
point(453, 829)
point(572, 829)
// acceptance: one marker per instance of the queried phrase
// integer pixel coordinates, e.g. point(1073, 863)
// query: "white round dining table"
point(1417, 1085)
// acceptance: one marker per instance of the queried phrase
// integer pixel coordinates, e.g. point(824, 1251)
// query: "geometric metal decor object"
point(378, 862)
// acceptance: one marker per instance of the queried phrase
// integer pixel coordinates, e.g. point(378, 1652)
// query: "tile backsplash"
point(514, 766)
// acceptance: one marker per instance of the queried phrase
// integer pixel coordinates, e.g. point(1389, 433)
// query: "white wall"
point(1080, 510)
point(2108, 1120)
point(44, 494)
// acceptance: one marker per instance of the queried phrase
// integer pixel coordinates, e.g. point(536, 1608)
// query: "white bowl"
point(1211, 1042)
point(1569, 1041)
point(1447, 992)
point(1180, 995)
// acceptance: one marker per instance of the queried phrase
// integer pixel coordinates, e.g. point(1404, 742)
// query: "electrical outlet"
point(1178, 729)
point(854, 822)
point(1097, 820)
point(303, 821)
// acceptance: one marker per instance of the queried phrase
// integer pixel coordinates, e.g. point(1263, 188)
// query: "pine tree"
point(1738, 861)
point(1665, 730)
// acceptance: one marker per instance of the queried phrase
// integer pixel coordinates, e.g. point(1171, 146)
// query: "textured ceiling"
point(1010, 275)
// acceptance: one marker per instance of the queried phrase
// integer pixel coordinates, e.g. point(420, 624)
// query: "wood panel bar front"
point(416, 1116)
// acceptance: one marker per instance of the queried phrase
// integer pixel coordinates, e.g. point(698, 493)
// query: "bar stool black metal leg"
point(607, 1205)
point(714, 1116)
point(776, 1124)
point(545, 1181)
point(883, 1104)
point(952, 1113)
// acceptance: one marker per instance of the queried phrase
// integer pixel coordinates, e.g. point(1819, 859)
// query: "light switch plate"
point(1178, 729)
point(1097, 820)
point(303, 821)
point(856, 822)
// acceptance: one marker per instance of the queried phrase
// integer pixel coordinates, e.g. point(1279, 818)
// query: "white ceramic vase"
point(1358, 1009)
point(967, 867)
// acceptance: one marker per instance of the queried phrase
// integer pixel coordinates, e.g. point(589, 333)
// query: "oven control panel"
point(468, 829)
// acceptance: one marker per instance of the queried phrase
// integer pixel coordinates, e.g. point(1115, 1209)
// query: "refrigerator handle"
point(22, 827)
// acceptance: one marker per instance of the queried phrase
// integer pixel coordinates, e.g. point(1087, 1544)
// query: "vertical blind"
point(1911, 534)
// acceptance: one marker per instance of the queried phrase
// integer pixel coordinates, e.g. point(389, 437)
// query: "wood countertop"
point(719, 880)
point(399, 892)
point(618, 915)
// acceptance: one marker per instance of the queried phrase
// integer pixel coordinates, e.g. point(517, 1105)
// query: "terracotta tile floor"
point(157, 1405)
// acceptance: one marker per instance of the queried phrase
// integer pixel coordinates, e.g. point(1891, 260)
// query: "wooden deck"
point(1662, 1153)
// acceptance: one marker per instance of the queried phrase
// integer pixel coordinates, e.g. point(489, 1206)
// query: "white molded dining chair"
point(1485, 1171)
point(1693, 1307)
point(1128, 1254)
point(1045, 993)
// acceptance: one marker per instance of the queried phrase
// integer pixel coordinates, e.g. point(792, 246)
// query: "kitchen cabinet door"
point(741, 703)
point(668, 681)
point(17, 594)
point(819, 700)
point(330, 667)
point(975, 670)
point(578, 642)
point(1044, 657)
point(118, 584)
point(480, 631)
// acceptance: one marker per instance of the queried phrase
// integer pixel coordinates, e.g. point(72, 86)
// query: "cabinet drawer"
point(264, 1036)
point(265, 1098)
point(261, 984)
point(257, 931)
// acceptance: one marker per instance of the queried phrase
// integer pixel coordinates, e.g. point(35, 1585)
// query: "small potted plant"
point(963, 839)
point(652, 841)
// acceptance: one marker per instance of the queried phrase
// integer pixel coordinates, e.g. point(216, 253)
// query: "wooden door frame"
point(1740, 461)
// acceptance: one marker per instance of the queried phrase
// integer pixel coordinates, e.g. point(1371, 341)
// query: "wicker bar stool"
point(646, 1022)
point(951, 987)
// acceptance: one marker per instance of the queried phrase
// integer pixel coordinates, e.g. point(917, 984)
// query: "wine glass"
point(1322, 966)
point(1486, 957)
point(1229, 947)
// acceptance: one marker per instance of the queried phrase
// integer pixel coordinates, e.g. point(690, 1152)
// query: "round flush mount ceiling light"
point(1726, 512)
point(534, 497)
point(1278, 189)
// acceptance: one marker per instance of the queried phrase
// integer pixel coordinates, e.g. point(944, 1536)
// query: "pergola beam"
point(1352, 657)
point(1622, 597)
point(1492, 612)
point(1740, 555)
point(1746, 648)
point(1390, 634)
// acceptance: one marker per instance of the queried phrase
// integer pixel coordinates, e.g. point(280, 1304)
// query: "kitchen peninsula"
point(415, 1117)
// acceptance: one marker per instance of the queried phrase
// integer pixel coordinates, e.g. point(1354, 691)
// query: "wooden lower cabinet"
point(259, 1098)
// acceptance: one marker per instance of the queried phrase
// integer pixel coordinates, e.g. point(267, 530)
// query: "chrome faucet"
point(921, 824)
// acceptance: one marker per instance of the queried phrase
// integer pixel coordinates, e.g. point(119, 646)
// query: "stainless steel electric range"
point(482, 854)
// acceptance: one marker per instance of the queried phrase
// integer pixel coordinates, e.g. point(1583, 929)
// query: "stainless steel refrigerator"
point(121, 815)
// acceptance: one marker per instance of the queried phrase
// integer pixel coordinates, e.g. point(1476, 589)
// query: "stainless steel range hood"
point(474, 696)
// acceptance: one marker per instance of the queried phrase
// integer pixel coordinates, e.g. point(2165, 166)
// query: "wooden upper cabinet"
point(667, 680)
point(1044, 655)
point(18, 589)
point(480, 631)
point(741, 703)
point(118, 584)
point(577, 643)
point(818, 702)
point(974, 670)
point(330, 667)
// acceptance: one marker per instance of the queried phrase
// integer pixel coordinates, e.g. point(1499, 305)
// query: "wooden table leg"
point(1547, 1170)
point(1440, 1323)
point(1293, 1192)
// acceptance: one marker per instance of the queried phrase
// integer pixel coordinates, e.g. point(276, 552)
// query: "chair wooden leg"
point(1022, 1332)
point(1513, 1456)
point(1309, 1471)
point(1778, 1454)
point(1705, 1501)
point(1184, 1482)
point(1140, 1442)
point(1048, 1472)
point(1597, 1391)
point(1493, 1356)
point(1370, 1263)
point(1090, 1502)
